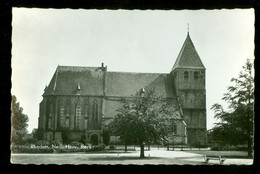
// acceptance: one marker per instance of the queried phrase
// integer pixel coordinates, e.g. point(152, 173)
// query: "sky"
point(126, 40)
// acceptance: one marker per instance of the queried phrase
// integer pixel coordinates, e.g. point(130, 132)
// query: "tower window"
point(201, 74)
point(196, 75)
point(186, 75)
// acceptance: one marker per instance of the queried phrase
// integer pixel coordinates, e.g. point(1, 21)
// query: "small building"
point(83, 100)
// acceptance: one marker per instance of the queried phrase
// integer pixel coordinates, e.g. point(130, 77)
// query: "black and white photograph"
point(108, 87)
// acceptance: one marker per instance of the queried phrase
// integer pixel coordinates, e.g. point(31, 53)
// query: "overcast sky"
point(125, 40)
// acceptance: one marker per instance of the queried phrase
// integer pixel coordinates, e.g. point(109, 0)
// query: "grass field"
point(227, 154)
point(89, 159)
point(119, 157)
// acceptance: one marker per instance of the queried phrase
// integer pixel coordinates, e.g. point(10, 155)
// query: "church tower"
point(189, 78)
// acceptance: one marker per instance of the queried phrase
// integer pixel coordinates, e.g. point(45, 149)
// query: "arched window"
point(186, 75)
point(67, 122)
point(67, 108)
point(86, 117)
point(201, 74)
point(50, 117)
point(95, 111)
point(61, 113)
point(174, 128)
point(86, 110)
point(85, 123)
point(78, 115)
point(49, 123)
point(196, 75)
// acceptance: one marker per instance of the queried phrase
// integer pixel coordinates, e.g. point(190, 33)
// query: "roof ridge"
point(136, 72)
point(180, 53)
point(76, 68)
point(67, 66)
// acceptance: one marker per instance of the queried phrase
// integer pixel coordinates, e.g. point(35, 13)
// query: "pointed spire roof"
point(188, 56)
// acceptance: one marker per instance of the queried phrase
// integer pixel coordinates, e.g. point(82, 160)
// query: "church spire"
point(188, 56)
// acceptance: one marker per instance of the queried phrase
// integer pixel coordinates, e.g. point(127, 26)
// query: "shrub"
point(201, 146)
point(65, 150)
point(232, 147)
point(89, 146)
point(96, 148)
point(111, 147)
point(56, 143)
point(83, 139)
point(75, 143)
point(42, 143)
point(31, 141)
point(28, 149)
point(215, 148)
point(38, 134)
point(102, 146)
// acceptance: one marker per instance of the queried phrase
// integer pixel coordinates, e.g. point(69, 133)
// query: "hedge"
point(56, 149)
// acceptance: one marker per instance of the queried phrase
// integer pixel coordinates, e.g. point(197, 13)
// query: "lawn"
point(103, 159)
point(108, 157)
point(227, 154)
point(153, 157)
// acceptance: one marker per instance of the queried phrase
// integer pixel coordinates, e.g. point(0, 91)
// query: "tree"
point(122, 124)
point(19, 123)
point(38, 134)
point(236, 123)
point(143, 119)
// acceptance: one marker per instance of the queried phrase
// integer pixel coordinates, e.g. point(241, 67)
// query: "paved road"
point(152, 157)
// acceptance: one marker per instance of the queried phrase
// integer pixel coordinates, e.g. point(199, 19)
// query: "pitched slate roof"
point(188, 56)
point(68, 80)
point(124, 84)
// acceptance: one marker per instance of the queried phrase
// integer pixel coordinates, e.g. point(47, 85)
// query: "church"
point(84, 100)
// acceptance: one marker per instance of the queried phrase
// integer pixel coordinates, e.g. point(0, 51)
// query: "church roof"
point(97, 81)
point(127, 84)
point(188, 56)
point(67, 80)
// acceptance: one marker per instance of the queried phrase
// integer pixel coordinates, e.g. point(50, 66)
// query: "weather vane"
point(188, 28)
